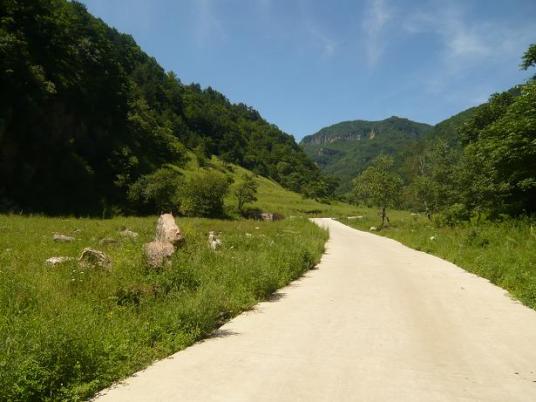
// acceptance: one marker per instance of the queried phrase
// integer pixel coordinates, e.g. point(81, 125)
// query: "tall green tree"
point(379, 185)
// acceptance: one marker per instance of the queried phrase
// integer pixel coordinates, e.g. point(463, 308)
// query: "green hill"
point(85, 112)
point(345, 149)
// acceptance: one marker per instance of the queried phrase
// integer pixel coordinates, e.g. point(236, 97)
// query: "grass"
point(67, 331)
point(503, 252)
point(272, 197)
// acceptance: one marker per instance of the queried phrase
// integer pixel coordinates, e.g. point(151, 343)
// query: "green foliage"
point(452, 215)
point(204, 194)
point(379, 185)
point(501, 153)
point(158, 192)
point(67, 332)
point(345, 149)
point(245, 191)
point(85, 113)
point(529, 58)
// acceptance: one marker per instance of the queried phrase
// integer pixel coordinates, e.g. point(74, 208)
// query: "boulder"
point(94, 258)
point(53, 261)
point(167, 230)
point(128, 233)
point(156, 253)
point(62, 238)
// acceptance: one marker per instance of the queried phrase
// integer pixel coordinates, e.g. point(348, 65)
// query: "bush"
point(452, 215)
point(204, 193)
point(157, 192)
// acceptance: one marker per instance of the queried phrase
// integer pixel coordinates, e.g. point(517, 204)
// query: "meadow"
point(68, 331)
point(502, 251)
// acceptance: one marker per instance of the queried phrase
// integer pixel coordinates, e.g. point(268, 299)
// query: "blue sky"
point(305, 64)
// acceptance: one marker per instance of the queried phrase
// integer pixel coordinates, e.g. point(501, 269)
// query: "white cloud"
point(466, 46)
point(377, 15)
point(466, 43)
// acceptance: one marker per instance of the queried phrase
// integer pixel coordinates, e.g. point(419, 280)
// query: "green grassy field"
point(67, 331)
point(503, 252)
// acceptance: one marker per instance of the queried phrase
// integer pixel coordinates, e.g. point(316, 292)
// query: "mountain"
point(85, 113)
point(344, 149)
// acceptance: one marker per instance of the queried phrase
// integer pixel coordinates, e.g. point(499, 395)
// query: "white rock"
point(62, 238)
point(167, 230)
point(213, 241)
point(58, 260)
point(373, 229)
point(432, 238)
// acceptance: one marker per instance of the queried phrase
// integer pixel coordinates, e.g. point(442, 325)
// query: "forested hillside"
point(343, 150)
point(478, 164)
point(85, 114)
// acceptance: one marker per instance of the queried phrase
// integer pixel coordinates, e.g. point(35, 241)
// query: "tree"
point(529, 58)
point(204, 193)
point(245, 191)
point(379, 185)
point(158, 192)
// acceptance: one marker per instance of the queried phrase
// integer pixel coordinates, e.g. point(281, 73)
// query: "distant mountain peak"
point(358, 130)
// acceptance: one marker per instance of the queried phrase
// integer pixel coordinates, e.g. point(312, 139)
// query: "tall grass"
point(503, 252)
point(67, 331)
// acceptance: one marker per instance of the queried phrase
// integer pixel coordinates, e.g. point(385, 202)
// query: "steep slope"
point(345, 149)
point(84, 113)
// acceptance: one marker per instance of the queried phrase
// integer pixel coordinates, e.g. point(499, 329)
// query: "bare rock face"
point(94, 258)
point(62, 238)
point(128, 233)
point(167, 230)
point(54, 261)
point(213, 240)
point(157, 253)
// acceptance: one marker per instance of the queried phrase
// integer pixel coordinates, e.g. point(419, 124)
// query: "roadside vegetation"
point(67, 331)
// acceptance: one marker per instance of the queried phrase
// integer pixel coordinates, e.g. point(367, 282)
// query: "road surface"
point(377, 321)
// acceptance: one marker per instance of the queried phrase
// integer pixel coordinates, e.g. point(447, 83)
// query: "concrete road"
point(376, 321)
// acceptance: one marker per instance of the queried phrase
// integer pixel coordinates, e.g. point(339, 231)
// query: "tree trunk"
point(383, 217)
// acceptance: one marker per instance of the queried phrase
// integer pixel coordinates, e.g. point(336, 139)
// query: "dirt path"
point(376, 321)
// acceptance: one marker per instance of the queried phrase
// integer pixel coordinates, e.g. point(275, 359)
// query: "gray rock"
point(53, 261)
point(94, 258)
point(156, 253)
point(62, 238)
point(167, 230)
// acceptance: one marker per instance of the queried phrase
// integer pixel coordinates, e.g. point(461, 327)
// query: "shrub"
point(204, 193)
point(452, 215)
point(157, 192)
